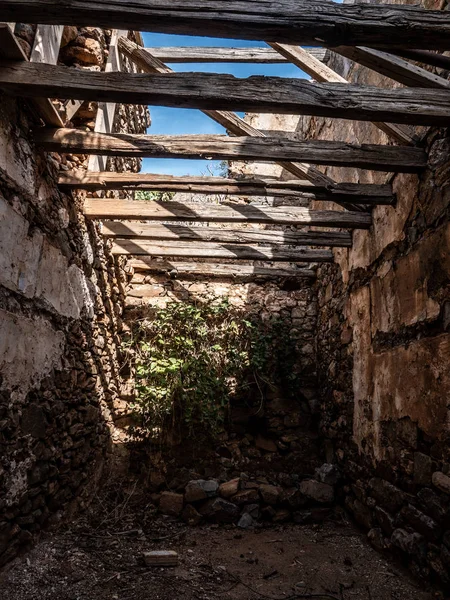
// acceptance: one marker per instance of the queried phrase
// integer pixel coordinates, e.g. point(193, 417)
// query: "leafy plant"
point(154, 196)
point(192, 360)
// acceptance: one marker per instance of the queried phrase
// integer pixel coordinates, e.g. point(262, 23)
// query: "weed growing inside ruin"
point(192, 360)
point(154, 196)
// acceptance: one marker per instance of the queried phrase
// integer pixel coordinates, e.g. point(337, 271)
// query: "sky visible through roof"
point(179, 121)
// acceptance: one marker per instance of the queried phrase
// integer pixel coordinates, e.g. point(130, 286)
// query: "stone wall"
point(384, 350)
point(61, 299)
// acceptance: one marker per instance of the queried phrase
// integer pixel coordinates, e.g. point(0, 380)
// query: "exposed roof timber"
point(367, 156)
point(223, 213)
point(285, 21)
point(214, 269)
point(204, 54)
point(211, 250)
point(211, 91)
point(371, 194)
point(244, 235)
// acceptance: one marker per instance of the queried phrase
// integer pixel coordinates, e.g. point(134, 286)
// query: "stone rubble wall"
point(61, 301)
point(383, 343)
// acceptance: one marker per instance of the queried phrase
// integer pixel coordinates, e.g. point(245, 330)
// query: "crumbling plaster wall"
point(61, 299)
point(383, 345)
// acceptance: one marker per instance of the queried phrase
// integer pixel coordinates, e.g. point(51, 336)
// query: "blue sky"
point(173, 121)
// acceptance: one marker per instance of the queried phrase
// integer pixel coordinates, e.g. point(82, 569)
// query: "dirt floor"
point(99, 557)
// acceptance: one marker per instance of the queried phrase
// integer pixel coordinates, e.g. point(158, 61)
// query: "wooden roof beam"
point(211, 269)
point(203, 54)
point(222, 147)
point(286, 21)
point(211, 250)
point(223, 213)
point(244, 235)
point(215, 92)
point(340, 192)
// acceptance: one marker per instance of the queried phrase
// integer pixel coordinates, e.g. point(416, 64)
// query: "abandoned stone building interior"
point(228, 378)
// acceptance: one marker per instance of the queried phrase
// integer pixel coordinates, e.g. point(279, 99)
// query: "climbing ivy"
point(192, 360)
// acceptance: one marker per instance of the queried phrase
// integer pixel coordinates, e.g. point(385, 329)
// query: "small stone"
point(270, 494)
point(200, 489)
point(408, 542)
point(424, 524)
point(328, 473)
point(375, 537)
point(313, 515)
point(265, 444)
point(245, 497)
point(294, 498)
point(246, 521)
point(191, 516)
point(441, 481)
point(423, 468)
point(281, 516)
point(220, 511)
point(228, 489)
point(388, 495)
point(171, 504)
point(315, 490)
point(253, 510)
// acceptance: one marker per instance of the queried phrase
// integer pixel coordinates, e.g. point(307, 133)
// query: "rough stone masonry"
point(61, 299)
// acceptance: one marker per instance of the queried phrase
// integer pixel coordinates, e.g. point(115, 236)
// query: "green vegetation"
point(192, 361)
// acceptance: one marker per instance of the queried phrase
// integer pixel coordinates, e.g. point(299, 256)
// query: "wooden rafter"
point(10, 49)
point(211, 269)
point(210, 91)
point(224, 55)
point(247, 235)
point(232, 122)
point(224, 213)
point(371, 194)
point(211, 250)
point(322, 73)
point(222, 147)
point(287, 21)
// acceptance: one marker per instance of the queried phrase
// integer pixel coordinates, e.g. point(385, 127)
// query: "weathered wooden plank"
point(225, 270)
point(202, 54)
point(232, 122)
point(340, 192)
point(426, 57)
point(393, 67)
point(106, 111)
point(321, 73)
point(46, 44)
point(247, 235)
point(211, 250)
point(11, 50)
point(223, 213)
point(211, 91)
point(222, 147)
point(287, 21)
